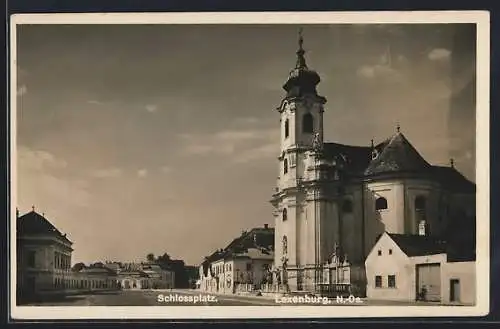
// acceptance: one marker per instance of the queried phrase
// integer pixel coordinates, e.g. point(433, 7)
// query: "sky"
point(137, 139)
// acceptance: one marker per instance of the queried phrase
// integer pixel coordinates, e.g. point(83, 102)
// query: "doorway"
point(428, 282)
point(454, 290)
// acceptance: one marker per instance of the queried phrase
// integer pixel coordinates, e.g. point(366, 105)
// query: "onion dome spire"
point(302, 80)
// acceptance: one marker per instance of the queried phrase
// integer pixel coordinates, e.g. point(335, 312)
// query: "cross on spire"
point(301, 61)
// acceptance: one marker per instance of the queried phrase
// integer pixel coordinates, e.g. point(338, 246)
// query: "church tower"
point(301, 120)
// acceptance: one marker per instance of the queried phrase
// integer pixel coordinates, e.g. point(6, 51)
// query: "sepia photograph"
point(249, 165)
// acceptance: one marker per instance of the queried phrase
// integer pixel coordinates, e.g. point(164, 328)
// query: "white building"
point(418, 267)
point(333, 196)
point(241, 266)
point(96, 277)
point(144, 276)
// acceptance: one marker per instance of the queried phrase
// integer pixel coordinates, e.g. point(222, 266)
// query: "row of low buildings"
point(44, 265)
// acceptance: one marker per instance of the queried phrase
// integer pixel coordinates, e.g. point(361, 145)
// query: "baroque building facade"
point(333, 201)
point(43, 256)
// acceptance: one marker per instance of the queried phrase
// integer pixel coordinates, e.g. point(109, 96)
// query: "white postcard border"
point(481, 18)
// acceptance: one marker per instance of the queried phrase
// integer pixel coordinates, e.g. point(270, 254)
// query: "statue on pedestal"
point(317, 143)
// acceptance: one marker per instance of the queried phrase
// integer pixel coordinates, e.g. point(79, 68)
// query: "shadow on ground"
point(60, 298)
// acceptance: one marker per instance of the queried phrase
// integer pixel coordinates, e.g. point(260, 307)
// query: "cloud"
point(197, 149)
point(107, 173)
point(439, 54)
point(40, 181)
point(237, 135)
point(151, 108)
point(166, 169)
point(378, 71)
point(39, 159)
point(263, 151)
point(240, 145)
point(22, 90)
point(47, 189)
point(245, 121)
point(141, 173)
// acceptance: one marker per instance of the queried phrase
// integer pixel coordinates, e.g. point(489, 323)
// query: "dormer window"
point(381, 204)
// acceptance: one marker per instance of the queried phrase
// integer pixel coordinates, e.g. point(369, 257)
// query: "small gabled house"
point(419, 267)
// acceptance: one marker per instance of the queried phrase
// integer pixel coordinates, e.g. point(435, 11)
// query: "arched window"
point(285, 166)
point(307, 123)
point(285, 216)
point(420, 203)
point(287, 128)
point(347, 206)
point(381, 203)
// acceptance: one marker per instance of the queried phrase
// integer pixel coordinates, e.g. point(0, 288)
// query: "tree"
point(78, 267)
point(150, 257)
point(165, 259)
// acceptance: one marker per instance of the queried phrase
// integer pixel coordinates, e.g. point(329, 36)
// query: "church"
point(333, 201)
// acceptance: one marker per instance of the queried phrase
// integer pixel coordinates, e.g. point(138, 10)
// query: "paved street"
point(187, 298)
point(150, 298)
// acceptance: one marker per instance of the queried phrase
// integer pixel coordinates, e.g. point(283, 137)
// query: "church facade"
point(333, 201)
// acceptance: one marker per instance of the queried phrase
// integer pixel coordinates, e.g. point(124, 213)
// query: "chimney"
point(17, 212)
point(266, 226)
point(422, 226)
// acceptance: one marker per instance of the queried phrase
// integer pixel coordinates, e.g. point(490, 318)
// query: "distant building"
point(96, 278)
point(420, 267)
point(43, 256)
point(241, 266)
point(143, 276)
point(161, 277)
